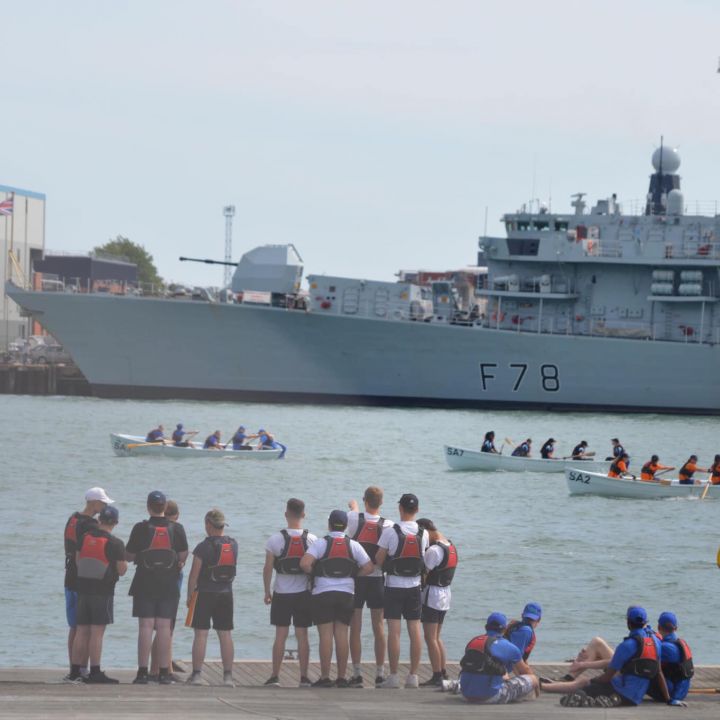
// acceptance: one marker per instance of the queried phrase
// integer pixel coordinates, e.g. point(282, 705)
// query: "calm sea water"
point(520, 536)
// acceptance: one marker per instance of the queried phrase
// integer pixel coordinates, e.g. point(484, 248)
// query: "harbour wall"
point(55, 379)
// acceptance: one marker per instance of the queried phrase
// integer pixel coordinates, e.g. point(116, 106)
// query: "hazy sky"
point(371, 134)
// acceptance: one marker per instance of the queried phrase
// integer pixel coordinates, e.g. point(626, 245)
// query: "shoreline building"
point(22, 242)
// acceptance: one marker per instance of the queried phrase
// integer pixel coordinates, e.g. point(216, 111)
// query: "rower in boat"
point(523, 449)
point(156, 436)
point(686, 472)
point(617, 451)
point(715, 471)
point(580, 452)
point(240, 440)
point(266, 441)
point(488, 445)
point(652, 466)
point(618, 469)
point(178, 436)
point(212, 442)
point(547, 450)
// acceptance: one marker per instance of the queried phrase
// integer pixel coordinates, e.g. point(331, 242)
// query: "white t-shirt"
point(389, 541)
point(435, 597)
point(324, 584)
point(285, 584)
point(353, 517)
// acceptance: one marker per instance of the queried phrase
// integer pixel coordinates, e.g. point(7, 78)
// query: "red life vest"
point(715, 476)
point(288, 562)
point(225, 567)
point(615, 469)
point(478, 658)
point(513, 625)
point(159, 556)
point(683, 670)
point(645, 663)
point(408, 558)
point(368, 534)
point(337, 560)
point(442, 575)
point(93, 563)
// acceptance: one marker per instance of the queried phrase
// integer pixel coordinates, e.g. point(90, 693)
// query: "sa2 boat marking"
point(579, 477)
point(548, 372)
point(455, 451)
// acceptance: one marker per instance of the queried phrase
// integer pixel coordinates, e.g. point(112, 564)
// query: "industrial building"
point(22, 241)
point(85, 273)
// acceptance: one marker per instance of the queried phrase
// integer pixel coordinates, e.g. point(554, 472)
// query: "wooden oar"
point(191, 609)
point(510, 442)
point(706, 488)
point(141, 444)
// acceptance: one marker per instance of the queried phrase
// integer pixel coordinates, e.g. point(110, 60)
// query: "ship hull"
point(148, 348)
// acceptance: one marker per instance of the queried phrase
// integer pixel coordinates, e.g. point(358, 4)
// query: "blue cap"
point(179, 426)
point(668, 620)
point(636, 614)
point(109, 515)
point(242, 427)
point(338, 520)
point(496, 621)
point(261, 430)
point(532, 611)
point(156, 497)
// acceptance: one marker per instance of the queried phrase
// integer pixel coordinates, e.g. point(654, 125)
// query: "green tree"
point(125, 249)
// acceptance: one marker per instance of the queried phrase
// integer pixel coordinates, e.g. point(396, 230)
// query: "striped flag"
point(6, 206)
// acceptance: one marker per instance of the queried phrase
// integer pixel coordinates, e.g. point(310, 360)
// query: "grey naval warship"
point(584, 310)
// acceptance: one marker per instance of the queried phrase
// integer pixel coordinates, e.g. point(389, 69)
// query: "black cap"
point(409, 502)
point(338, 520)
point(156, 497)
point(109, 515)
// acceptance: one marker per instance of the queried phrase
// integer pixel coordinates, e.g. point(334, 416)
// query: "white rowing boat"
point(580, 482)
point(464, 459)
point(135, 445)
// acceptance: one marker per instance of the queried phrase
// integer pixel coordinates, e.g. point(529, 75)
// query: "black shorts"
point(95, 610)
point(291, 606)
point(403, 603)
point(369, 591)
point(215, 606)
point(148, 607)
point(333, 605)
point(431, 615)
point(606, 689)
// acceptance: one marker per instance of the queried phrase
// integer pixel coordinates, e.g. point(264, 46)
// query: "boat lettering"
point(119, 445)
point(579, 477)
point(455, 451)
point(549, 375)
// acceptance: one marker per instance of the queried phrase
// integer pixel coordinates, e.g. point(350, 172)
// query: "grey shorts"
point(513, 690)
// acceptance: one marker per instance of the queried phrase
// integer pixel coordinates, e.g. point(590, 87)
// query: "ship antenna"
point(485, 228)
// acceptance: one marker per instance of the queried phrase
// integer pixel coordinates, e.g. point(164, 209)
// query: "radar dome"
point(675, 202)
point(670, 160)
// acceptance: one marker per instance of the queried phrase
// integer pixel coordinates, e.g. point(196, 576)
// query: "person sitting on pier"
point(547, 450)
point(523, 449)
point(651, 467)
point(580, 451)
point(521, 633)
point(627, 674)
point(486, 665)
point(178, 436)
point(240, 440)
point(156, 435)
point(212, 442)
point(488, 445)
point(619, 468)
point(676, 662)
point(687, 471)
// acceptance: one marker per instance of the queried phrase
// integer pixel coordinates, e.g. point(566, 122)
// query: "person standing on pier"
point(367, 527)
point(401, 555)
point(211, 576)
point(159, 549)
point(96, 499)
point(334, 561)
point(441, 559)
point(289, 599)
point(100, 562)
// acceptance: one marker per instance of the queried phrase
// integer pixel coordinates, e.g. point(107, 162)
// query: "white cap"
point(97, 493)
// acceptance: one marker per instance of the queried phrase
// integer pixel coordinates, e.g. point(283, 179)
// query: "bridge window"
point(526, 246)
